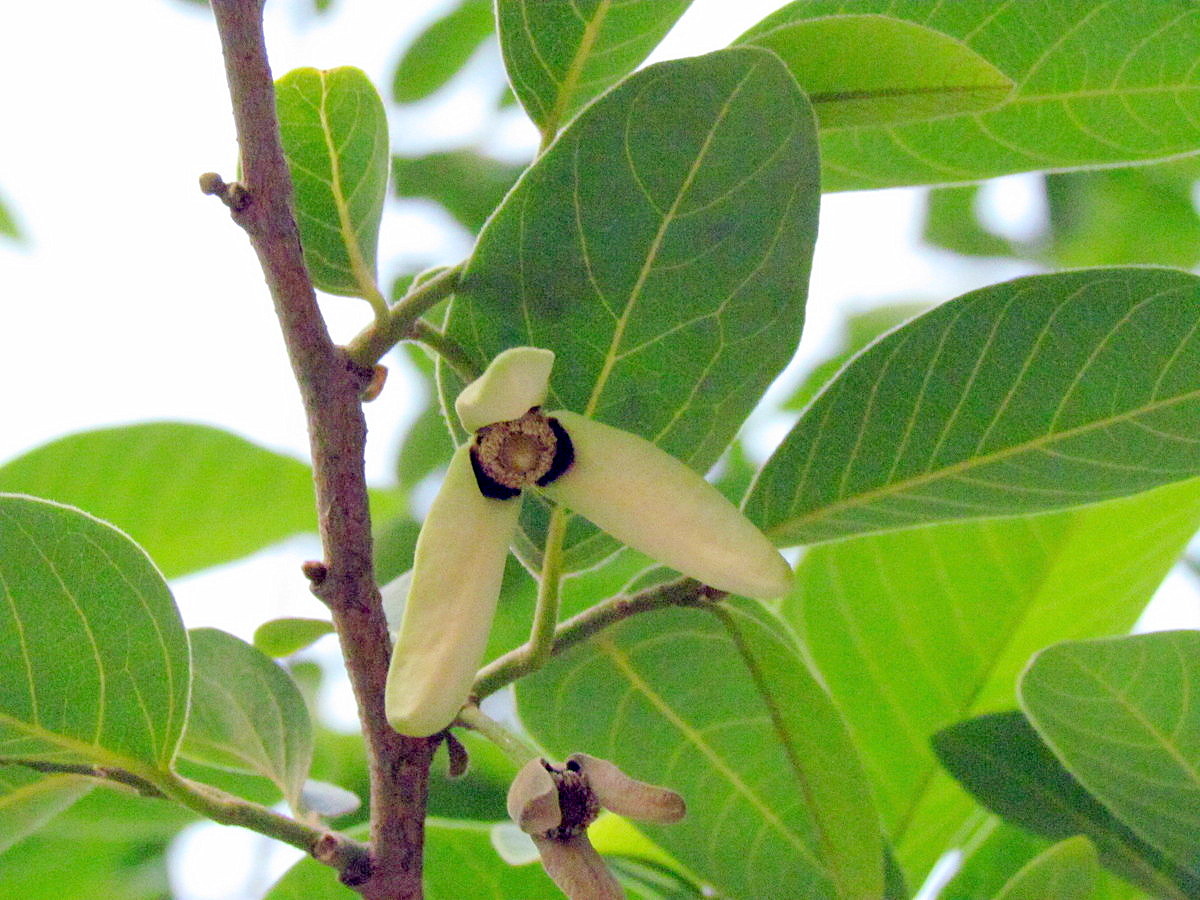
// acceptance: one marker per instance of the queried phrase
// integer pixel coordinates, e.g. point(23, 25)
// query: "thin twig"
point(370, 345)
point(445, 347)
point(330, 384)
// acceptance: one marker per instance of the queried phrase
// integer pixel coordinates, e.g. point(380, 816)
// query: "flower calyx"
point(508, 456)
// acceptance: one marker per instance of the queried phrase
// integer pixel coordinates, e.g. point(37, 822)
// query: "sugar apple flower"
point(622, 483)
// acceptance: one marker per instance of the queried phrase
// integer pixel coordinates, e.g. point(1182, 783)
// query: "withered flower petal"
point(577, 869)
point(626, 796)
point(533, 799)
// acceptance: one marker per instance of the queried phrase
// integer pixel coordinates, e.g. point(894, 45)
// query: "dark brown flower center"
point(576, 800)
point(508, 456)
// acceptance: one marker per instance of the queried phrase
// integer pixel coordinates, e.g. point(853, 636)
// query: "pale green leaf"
point(468, 184)
point(1118, 713)
point(1035, 394)
point(94, 665)
point(8, 223)
point(913, 631)
point(721, 709)
point(334, 132)
point(873, 70)
point(247, 714)
point(28, 800)
point(1001, 760)
point(1097, 82)
point(1066, 871)
point(562, 53)
point(438, 53)
point(193, 496)
point(283, 637)
point(661, 248)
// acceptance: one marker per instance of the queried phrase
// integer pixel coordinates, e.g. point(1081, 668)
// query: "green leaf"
point(1035, 394)
point(247, 714)
point(562, 53)
point(913, 631)
point(1001, 760)
point(283, 637)
point(466, 183)
point(991, 860)
point(334, 132)
point(1095, 84)
point(755, 747)
point(670, 284)
point(93, 655)
point(1118, 714)
point(952, 223)
point(873, 70)
point(192, 495)
point(8, 223)
point(28, 800)
point(459, 862)
point(441, 50)
point(1067, 871)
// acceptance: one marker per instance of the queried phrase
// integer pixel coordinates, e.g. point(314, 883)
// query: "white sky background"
point(136, 298)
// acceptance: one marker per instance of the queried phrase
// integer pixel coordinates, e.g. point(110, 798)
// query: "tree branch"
point(330, 384)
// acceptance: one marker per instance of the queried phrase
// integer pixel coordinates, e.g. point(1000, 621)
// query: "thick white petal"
point(451, 601)
point(515, 382)
point(647, 499)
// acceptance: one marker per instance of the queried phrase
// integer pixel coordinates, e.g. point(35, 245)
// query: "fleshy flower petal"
point(533, 799)
point(647, 499)
point(626, 796)
point(514, 382)
point(451, 602)
point(577, 869)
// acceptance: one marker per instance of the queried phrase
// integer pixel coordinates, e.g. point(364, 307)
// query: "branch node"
point(374, 388)
point(234, 195)
point(315, 571)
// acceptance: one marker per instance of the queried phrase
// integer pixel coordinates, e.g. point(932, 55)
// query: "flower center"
point(508, 456)
point(576, 800)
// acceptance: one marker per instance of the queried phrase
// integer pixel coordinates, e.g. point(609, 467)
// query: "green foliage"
point(467, 183)
point(28, 800)
point(283, 637)
point(1094, 83)
point(334, 132)
point(562, 53)
point(8, 223)
point(1067, 871)
point(753, 745)
point(1037, 394)
point(671, 286)
point(437, 53)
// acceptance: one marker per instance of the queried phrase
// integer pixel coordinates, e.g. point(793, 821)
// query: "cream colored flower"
point(555, 805)
point(624, 484)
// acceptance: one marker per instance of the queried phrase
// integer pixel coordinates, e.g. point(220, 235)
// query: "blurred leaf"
point(192, 495)
point(459, 862)
point(247, 713)
point(93, 655)
point(998, 852)
point(913, 631)
point(329, 800)
point(774, 796)
point(646, 881)
point(438, 53)
point(1096, 84)
point(1118, 714)
point(1140, 215)
point(1035, 394)
point(562, 53)
point(334, 132)
point(427, 444)
point(1001, 760)
point(283, 637)
point(952, 223)
point(672, 288)
point(28, 800)
point(470, 186)
point(858, 330)
point(873, 70)
point(8, 223)
point(1066, 871)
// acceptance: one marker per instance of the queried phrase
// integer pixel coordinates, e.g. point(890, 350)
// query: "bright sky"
point(136, 298)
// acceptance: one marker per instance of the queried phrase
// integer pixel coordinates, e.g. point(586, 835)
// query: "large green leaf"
point(1035, 394)
point(1007, 767)
point(191, 495)
point(441, 50)
point(1096, 82)
point(916, 630)
point(29, 799)
point(872, 70)
point(1119, 715)
point(721, 708)
point(459, 862)
point(562, 53)
point(661, 248)
point(468, 184)
point(1066, 871)
point(334, 132)
point(93, 655)
point(247, 714)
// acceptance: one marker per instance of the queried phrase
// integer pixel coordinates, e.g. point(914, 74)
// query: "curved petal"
point(514, 382)
point(577, 869)
point(626, 796)
point(647, 499)
point(451, 601)
point(533, 799)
